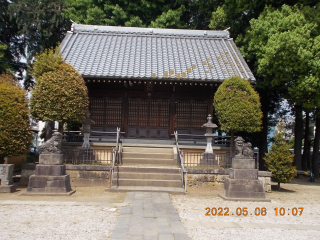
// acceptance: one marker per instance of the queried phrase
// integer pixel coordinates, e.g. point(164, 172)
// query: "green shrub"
point(15, 130)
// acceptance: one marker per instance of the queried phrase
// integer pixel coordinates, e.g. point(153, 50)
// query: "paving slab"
point(149, 215)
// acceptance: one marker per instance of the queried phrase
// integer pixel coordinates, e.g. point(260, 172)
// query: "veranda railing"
point(196, 159)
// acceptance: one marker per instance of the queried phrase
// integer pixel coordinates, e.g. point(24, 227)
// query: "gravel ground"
point(192, 210)
point(73, 218)
point(56, 222)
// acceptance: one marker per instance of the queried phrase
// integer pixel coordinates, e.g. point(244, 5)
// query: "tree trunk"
point(49, 129)
point(232, 144)
point(298, 137)
point(306, 147)
point(61, 127)
point(315, 155)
point(279, 186)
point(263, 146)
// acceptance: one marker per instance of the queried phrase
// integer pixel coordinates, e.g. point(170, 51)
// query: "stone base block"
point(243, 163)
point(51, 159)
point(49, 184)
point(235, 189)
point(6, 173)
point(251, 174)
point(50, 170)
point(7, 189)
point(47, 193)
point(244, 199)
point(208, 159)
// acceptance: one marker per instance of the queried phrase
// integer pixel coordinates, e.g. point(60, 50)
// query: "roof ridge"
point(148, 31)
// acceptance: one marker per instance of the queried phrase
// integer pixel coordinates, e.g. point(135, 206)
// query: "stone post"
point(6, 173)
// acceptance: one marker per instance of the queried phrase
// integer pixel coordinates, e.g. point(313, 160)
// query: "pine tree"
point(279, 159)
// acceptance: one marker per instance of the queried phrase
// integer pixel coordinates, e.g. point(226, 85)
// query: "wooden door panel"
point(150, 116)
point(97, 111)
point(191, 115)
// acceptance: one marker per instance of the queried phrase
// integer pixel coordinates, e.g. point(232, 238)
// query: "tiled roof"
point(160, 54)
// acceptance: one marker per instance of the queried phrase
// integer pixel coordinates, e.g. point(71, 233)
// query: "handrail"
point(217, 140)
point(118, 131)
point(180, 155)
point(115, 152)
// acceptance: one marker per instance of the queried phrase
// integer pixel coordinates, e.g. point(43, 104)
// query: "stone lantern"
point(208, 157)
point(86, 131)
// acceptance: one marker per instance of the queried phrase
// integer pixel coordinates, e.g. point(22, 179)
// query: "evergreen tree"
point(279, 159)
point(15, 130)
point(287, 56)
point(40, 26)
point(237, 107)
point(59, 93)
point(135, 13)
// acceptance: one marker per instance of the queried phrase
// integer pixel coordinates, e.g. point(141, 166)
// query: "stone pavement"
point(150, 215)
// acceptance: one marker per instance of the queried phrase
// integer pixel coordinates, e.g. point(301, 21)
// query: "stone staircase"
point(147, 169)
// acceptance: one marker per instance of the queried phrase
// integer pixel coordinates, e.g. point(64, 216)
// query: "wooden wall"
point(149, 109)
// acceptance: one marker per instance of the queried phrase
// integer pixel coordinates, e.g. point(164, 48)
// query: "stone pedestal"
point(242, 183)
point(50, 177)
point(6, 173)
point(208, 159)
point(50, 159)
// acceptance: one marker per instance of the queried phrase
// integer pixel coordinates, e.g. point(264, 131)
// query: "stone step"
point(135, 169)
point(148, 161)
point(171, 190)
point(155, 176)
point(151, 155)
point(147, 150)
point(146, 182)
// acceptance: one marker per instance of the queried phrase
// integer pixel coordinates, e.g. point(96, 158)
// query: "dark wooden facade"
point(150, 109)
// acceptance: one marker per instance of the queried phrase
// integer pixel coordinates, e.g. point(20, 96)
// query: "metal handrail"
point(180, 155)
point(115, 152)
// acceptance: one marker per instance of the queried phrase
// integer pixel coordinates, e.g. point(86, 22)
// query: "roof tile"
point(163, 54)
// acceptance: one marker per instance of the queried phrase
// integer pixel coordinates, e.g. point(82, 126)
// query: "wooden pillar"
point(210, 105)
point(124, 114)
point(171, 115)
point(105, 124)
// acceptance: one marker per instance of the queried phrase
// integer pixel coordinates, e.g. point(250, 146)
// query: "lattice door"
point(148, 114)
point(133, 113)
point(113, 112)
point(106, 112)
point(159, 113)
point(97, 111)
point(191, 114)
point(199, 114)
